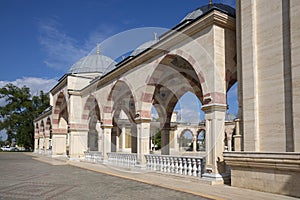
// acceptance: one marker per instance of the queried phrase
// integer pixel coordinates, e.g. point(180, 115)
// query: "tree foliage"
point(157, 139)
point(19, 111)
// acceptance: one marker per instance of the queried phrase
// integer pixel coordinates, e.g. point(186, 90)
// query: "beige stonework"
point(110, 114)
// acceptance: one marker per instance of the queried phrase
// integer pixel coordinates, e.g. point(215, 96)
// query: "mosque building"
point(101, 110)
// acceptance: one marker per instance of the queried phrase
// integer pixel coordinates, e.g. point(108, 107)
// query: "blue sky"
point(41, 39)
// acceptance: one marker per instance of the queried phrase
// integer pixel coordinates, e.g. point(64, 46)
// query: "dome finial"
point(98, 49)
point(155, 36)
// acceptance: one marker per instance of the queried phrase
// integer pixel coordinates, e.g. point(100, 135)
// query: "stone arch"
point(183, 142)
point(42, 128)
point(60, 116)
point(172, 77)
point(179, 67)
point(37, 135)
point(91, 116)
point(49, 133)
point(42, 135)
point(201, 135)
point(122, 98)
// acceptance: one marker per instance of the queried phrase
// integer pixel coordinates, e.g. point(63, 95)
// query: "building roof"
point(95, 62)
point(207, 8)
point(145, 46)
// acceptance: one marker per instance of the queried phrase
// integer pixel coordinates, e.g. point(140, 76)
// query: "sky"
point(41, 39)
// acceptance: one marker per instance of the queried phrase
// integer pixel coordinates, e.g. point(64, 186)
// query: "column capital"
point(106, 126)
point(214, 107)
point(142, 120)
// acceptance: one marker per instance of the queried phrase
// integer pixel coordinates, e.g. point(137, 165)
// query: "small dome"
point(145, 46)
point(93, 63)
point(207, 8)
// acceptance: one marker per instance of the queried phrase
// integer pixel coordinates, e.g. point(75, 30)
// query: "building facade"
point(101, 110)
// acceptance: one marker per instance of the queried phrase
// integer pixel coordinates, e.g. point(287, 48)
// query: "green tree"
point(19, 112)
point(157, 139)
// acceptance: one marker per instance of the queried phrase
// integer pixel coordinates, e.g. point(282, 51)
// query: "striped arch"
point(48, 130)
point(185, 78)
point(60, 115)
point(42, 129)
point(36, 130)
point(91, 107)
point(121, 97)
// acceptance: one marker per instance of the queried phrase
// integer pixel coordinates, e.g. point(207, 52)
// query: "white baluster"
point(189, 164)
point(167, 165)
point(180, 167)
point(184, 166)
point(194, 167)
point(176, 171)
point(199, 167)
point(164, 164)
point(158, 163)
point(153, 167)
point(172, 166)
point(161, 164)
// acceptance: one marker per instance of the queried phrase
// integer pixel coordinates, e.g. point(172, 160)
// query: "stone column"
point(134, 143)
point(42, 142)
point(59, 140)
point(123, 135)
point(36, 143)
point(237, 137)
point(99, 132)
point(114, 139)
point(78, 142)
point(143, 139)
point(229, 131)
point(176, 140)
point(106, 139)
point(47, 145)
point(194, 142)
point(214, 121)
point(165, 141)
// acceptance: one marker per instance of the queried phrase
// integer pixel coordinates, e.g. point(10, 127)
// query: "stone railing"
point(93, 156)
point(48, 152)
point(122, 159)
point(181, 165)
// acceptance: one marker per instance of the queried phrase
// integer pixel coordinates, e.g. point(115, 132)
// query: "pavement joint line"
point(38, 158)
point(149, 182)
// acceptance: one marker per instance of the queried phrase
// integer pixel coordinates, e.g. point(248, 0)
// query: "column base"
point(216, 178)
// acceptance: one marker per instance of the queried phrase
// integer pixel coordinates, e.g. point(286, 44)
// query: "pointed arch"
point(61, 115)
point(91, 116)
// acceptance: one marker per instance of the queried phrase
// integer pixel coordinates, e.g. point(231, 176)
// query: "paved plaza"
point(25, 178)
point(31, 176)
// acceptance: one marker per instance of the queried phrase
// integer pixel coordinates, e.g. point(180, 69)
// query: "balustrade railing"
point(181, 165)
point(93, 156)
point(122, 159)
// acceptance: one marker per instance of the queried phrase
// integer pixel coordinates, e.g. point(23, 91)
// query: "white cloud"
point(189, 108)
point(62, 50)
point(35, 84)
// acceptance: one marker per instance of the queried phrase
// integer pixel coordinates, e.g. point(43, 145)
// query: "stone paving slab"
point(192, 186)
point(23, 177)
